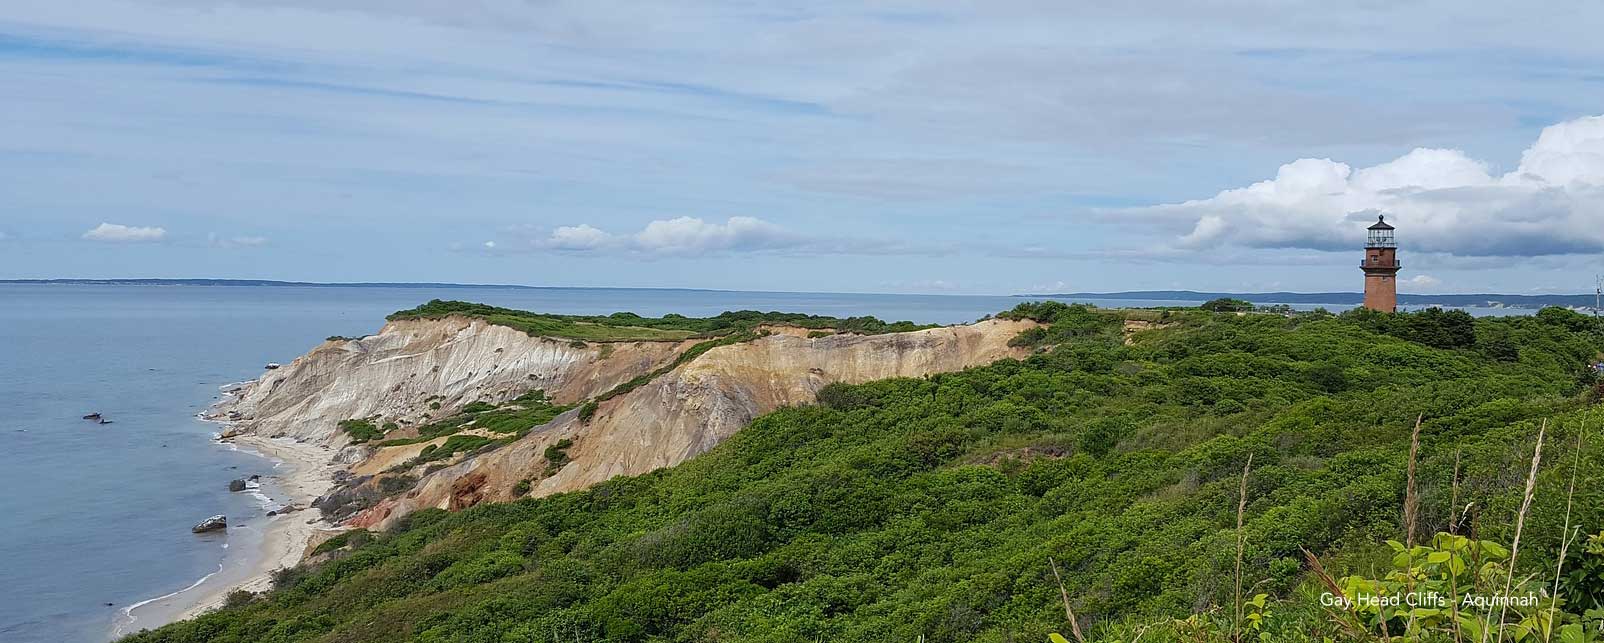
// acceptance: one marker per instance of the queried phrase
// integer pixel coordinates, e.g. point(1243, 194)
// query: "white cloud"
point(693, 236)
point(1441, 200)
point(246, 241)
point(118, 233)
point(579, 237)
point(1422, 281)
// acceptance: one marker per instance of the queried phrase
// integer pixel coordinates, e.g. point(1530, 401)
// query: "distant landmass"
point(1482, 300)
point(1485, 300)
point(307, 284)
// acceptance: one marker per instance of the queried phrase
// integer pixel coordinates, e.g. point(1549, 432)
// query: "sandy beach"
point(265, 544)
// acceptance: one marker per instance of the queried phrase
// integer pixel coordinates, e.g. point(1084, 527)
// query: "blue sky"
point(991, 147)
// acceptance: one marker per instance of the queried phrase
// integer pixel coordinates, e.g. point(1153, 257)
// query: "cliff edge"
point(675, 404)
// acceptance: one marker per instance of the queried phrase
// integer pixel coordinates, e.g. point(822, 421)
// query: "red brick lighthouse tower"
point(1381, 268)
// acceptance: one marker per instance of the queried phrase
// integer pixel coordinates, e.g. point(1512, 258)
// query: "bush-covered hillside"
point(632, 327)
point(909, 510)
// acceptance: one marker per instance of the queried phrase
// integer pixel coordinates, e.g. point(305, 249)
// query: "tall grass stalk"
point(1412, 509)
point(1567, 534)
point(1241, 542)
point(1074, 623)
point(1520, 525)
point(1411, 498)
point(1349, 618)
point(1453, 530)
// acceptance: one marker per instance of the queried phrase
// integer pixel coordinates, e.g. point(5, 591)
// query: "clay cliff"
point(416, 369)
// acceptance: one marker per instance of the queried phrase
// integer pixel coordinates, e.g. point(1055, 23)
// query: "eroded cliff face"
point(409, 366)
point(692, 408)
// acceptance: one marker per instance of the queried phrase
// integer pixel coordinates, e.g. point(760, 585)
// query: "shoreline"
point(300, 474)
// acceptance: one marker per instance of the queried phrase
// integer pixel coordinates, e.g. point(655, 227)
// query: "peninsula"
point(505, 475)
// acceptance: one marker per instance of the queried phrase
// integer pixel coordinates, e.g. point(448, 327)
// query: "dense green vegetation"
point(632, 327)
point(351, 538)
point(360, 430)
point(1227, 305)
point(1070, 322)
point(936, 508)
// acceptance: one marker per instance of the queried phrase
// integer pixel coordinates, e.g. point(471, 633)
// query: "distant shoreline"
point(1478, 300)
point(249, 283)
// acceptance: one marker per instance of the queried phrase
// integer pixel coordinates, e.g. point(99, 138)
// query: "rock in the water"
point(214, 523)
point(236, 485)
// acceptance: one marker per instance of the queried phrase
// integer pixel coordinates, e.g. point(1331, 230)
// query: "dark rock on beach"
point(236, 485)
point(214, 523)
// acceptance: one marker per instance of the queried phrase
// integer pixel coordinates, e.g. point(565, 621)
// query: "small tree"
point(1227, 305)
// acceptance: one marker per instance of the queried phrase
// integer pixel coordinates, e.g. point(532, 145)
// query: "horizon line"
point(1126, 294)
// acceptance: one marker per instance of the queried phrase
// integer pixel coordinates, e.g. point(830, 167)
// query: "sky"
point(925, 147)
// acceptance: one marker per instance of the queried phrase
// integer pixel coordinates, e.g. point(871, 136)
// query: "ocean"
point(97, 517)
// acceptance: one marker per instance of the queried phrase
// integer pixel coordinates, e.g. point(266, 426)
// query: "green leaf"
point(1397, 546)
point(1494, 549)
point(1438, 557)
point(1057, 638)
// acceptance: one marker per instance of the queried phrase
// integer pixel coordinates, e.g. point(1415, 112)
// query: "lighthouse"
point(1381, 268)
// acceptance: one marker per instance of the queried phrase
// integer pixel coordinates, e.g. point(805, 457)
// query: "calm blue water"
point(94, 518)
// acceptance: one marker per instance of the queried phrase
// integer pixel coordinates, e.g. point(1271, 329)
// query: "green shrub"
point(353, 538)
point(483, 569)
point(1582, 582)
point(840, 396)
point(360, 430)
point(1227, 305)
point(557, 455)
point(392, 485)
